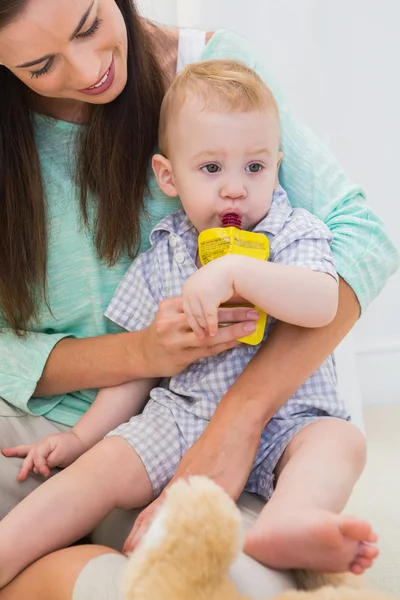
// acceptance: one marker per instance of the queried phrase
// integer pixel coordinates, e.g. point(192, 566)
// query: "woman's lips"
point(103, 84)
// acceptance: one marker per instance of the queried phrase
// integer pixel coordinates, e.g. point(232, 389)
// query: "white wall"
point(338, 62)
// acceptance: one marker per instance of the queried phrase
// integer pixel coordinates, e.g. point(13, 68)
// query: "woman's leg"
point(70, 505)
point(95, 573)
point(57, 575)
point(251, 577)
point(17, 427)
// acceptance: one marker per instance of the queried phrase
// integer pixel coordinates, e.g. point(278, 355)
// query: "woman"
point(68, 234)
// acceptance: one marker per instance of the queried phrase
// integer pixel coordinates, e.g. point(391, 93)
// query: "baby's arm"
point(296, 295)
point(299, 285)
point(112, 407)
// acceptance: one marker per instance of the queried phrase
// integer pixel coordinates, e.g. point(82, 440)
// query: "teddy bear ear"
point(193, 540)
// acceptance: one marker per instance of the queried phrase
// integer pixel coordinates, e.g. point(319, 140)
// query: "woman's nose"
point(85, 70)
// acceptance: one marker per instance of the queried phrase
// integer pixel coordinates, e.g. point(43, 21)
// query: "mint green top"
point(80, 286)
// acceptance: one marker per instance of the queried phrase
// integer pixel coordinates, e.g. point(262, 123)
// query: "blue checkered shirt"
point(296, 238)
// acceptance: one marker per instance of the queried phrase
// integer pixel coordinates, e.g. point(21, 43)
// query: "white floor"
point(377, 495)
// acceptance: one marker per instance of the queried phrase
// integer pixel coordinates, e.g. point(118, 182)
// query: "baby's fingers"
point(27, 467)
point(18, 451)
point(193, 319)
point(206, 314)
point(41, 467)
point(211, 320)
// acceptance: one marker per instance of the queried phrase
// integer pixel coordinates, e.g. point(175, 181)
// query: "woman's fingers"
point(235, 314)
point(174, 340)
point(173, 308)
point(225, 335)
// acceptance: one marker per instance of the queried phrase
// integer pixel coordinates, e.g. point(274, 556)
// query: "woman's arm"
point(102, 361)
point(290, 355)
point(164, 348)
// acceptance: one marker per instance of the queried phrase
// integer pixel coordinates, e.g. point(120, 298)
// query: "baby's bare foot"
point(312, 539)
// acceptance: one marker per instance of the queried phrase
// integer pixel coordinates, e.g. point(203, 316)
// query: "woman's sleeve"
point(365, 257)
point(22, 360)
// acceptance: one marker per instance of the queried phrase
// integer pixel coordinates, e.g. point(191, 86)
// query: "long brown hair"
point(113, 156)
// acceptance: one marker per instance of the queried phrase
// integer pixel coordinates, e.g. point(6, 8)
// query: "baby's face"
point(224, 163)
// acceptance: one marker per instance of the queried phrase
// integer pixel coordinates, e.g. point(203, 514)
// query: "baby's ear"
point(163, 171)
point(278, 164)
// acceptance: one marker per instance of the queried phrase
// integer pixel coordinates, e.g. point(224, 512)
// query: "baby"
point(220, 152)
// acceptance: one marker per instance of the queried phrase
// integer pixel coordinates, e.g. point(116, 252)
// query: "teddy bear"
point(192, 542)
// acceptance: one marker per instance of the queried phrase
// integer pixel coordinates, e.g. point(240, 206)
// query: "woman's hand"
point(57, 450)
point(225, 452)
point(169, 344)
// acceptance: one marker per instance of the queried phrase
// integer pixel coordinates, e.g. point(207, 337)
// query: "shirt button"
point(179, 257)
point(172, 241)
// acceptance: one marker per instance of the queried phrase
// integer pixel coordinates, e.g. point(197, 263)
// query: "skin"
point(282, 365)
point(229, 164)
point(53, 577)
point(71, 65)
point(217, 169)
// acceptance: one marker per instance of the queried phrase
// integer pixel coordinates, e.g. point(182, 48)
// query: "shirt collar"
point(280, 210)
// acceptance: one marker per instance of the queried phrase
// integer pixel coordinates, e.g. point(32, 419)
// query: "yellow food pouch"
point(219, 241)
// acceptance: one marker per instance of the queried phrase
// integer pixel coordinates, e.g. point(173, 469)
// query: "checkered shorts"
point(161, 442)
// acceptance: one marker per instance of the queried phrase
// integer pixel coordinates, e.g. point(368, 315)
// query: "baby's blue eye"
point(211, 168)
point(254, 168)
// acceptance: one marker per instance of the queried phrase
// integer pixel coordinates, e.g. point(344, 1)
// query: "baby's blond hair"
point(220, 85)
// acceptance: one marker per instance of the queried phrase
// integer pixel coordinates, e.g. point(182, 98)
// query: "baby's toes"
point(355, 529)
point(363, 563)
point(367, 551)
point(356, 568)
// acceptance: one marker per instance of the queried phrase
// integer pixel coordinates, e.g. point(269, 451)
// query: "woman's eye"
point(211, 168)
point(92, 30)
point(43, 71)
point(254, 168)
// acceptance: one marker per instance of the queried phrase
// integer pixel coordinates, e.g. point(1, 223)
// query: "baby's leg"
point(68, 506)
point(301, 526)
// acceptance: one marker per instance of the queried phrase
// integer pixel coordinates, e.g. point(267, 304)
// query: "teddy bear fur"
point(191, 544)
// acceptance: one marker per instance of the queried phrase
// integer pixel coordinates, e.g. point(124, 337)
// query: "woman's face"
point(69, 49)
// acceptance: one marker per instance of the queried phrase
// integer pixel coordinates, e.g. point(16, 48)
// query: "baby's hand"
point(204, 292)
point(58, 450)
